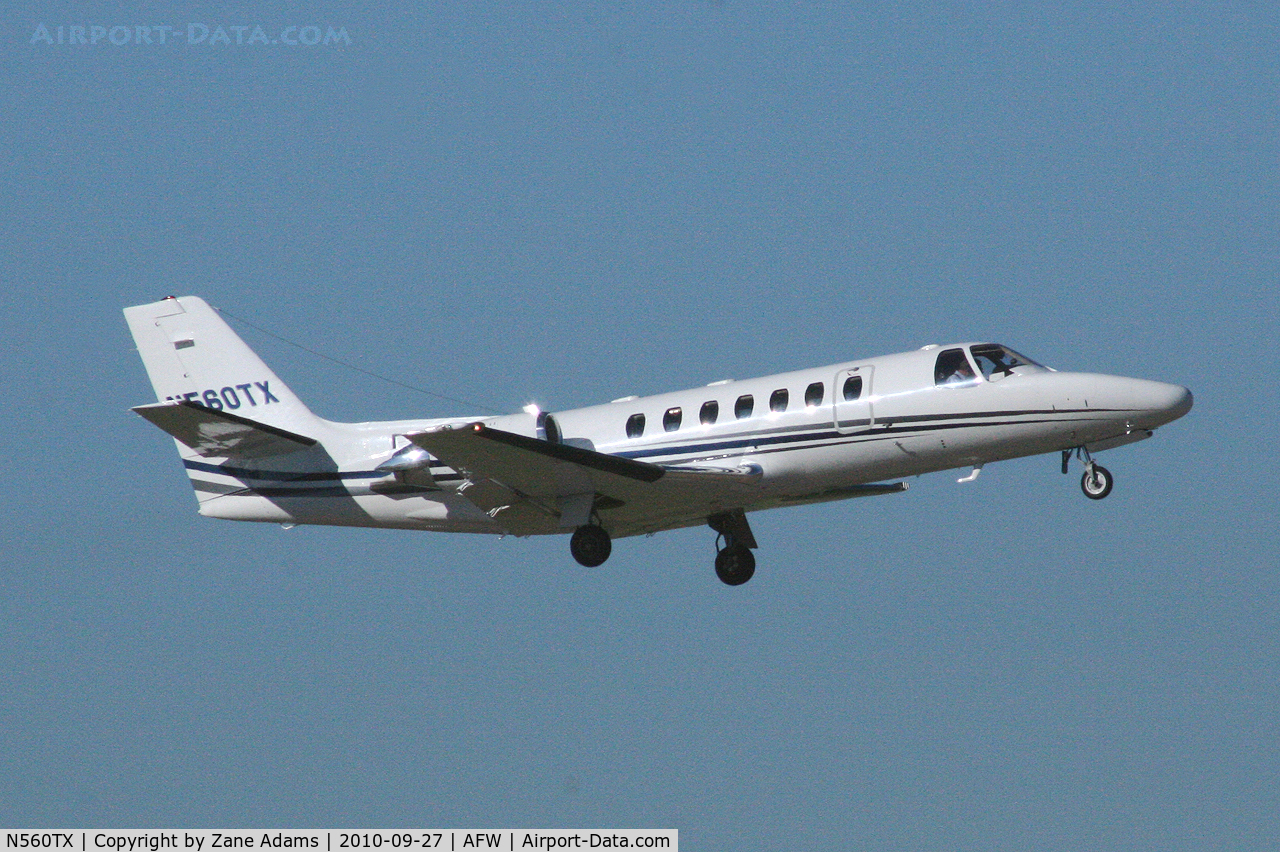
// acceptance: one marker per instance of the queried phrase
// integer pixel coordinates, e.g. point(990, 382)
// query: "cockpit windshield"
point(996, 361)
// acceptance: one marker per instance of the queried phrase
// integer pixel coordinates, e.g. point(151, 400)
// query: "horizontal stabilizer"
point(221, 433)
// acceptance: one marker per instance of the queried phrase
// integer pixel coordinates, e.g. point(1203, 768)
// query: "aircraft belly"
point(624, 521)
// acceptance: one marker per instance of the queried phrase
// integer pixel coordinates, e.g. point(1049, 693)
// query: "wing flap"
point(221, 434)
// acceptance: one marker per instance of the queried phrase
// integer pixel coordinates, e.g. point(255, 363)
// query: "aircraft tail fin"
point(193, 356)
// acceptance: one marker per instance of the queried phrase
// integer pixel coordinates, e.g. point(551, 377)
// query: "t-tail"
point(217, 398)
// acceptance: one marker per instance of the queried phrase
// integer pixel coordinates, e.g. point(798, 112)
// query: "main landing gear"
point(590, 545)
point(735, 563)
point(1097, 480)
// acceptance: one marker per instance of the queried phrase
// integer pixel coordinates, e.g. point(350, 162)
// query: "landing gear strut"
point(590, 545)
point(735, 563)
point(1097, 480)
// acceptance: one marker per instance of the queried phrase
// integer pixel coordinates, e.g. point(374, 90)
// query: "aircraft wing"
point(528, 484)
point(221, 433)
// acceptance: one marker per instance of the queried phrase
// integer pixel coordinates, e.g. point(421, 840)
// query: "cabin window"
point(635, 426)
point(813, 394)
point(778, 400)
point(710, 411)
point(852, 388)
point(952, 368)
point(671, 420)
point(742, 408)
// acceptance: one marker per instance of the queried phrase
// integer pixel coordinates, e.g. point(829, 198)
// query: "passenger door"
point(852, 409)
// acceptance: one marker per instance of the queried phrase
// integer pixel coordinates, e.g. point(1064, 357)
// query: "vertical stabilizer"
point(192, 355)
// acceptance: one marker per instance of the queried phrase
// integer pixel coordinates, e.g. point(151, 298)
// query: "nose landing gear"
point(1097, 480)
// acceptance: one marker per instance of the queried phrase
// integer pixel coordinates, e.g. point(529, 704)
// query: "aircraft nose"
point(1166, 402)
point(1182, 401)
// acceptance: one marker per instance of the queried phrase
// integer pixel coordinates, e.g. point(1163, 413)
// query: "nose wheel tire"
point(735, 565)
point(590, 545)
point(1096, 482)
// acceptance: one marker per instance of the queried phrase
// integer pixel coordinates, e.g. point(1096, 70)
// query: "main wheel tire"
point(735, 565)
point(1096, 483)
point(590, 545)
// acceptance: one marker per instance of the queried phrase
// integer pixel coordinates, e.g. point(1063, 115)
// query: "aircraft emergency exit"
point(254, 452)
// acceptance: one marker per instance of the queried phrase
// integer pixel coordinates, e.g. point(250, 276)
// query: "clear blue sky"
point(567, 203)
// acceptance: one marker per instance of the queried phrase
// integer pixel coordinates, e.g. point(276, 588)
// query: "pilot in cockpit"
point(953, 368)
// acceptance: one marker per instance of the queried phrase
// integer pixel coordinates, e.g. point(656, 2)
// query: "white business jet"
point(637, 465)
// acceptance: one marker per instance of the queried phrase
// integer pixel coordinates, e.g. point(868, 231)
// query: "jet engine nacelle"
point(531, 424)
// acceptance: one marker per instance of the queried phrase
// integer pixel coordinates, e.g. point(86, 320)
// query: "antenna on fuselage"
point(354, 367)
